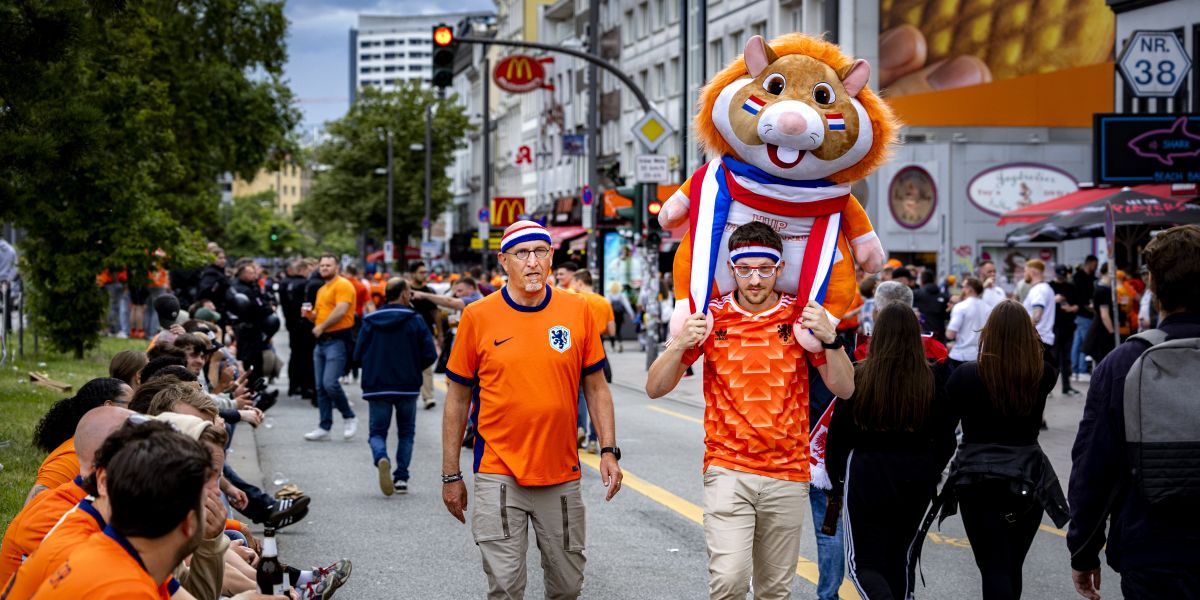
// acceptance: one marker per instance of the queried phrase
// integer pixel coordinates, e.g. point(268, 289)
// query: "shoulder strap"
point(1152, 337)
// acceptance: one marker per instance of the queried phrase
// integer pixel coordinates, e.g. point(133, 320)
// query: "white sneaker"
point(121, 335)
point(317, 435)
point(1085, 377)
point(351, 428)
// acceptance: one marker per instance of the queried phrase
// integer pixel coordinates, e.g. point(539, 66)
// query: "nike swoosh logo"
point(498, 342)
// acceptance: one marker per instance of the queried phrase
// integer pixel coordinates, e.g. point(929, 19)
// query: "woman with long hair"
point(1000, 477)
point(886, 447)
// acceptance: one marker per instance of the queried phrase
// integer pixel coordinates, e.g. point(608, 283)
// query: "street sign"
point(587, 195)
point(652, 130)
point(431, 248)
point(484, 217)
point(389, 251)
point(493, 243)
point(1154, 63)
point(652, 168)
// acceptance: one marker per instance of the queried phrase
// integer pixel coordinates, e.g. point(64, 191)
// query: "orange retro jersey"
point(602, 311)
point(60, 466)
point(105, 566)
point(756, 390)
point(27, 529)
point(74, 528)
point(524, 364)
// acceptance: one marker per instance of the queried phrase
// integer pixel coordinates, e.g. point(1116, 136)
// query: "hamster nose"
point(792, 123)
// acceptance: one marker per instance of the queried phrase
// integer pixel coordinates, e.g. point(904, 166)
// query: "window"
point(389, 42)
point(716, 57)
point(389, 69)
point(673, 77)
point(364, 69)
point(643, 19)
point(658, 13)
point(672, 12)
point(629, 27)
point(660, 80)
point(390, 55)
point(759, 29)
point(737, 41)
point(414, 67)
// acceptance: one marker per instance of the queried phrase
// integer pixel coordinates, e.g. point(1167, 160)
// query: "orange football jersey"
point(102, 567)
point(524, 364)
point(756, 390)
point(60, 466)
point(27, 529)
point(74, 528)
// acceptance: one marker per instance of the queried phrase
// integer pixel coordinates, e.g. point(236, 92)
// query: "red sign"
point(521, 73)
point(524, 155)
point(507, 210)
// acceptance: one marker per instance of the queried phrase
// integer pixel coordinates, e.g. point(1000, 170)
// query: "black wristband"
point(835, 344)
point(452, 478)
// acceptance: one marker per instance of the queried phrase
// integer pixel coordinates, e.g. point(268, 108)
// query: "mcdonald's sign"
point(507, 210)
point(521, 73)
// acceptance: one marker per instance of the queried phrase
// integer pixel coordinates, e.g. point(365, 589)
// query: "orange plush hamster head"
point(798, 109)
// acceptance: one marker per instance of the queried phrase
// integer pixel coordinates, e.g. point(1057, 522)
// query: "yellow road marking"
point(804, 567)
point(1054, 530)
point(440, 384)
point(675, 414)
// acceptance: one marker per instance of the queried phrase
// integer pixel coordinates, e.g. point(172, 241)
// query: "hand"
point(214, 514)
point(990, 282)
point(225, 380)
point(239, 548)
point(692, 333)
point(610, 475)
point(237, 498)
point(904, 69)
point(253, 416)
point(454, 496)
point(815, 319)
point(177, 329)
point(244, 399)
point(317, 331)
point(251, 541)
point(1087, 583)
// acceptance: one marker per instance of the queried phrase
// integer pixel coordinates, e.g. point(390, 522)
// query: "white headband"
point(753, 252)
point(526, 233)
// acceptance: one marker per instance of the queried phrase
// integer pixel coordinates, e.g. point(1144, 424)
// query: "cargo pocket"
point(489, 521)
point(573, 522)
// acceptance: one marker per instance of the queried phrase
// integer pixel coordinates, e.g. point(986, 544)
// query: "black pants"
point(260, 504)
point(1001, 527)
point(886, 496)
point(1063, 339)
point(301, 380)
point(1181, 582)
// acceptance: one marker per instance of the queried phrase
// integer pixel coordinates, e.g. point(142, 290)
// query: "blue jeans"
point(406, 420)
point(831, 557)
point(584, 418)
point(329, 362)
point(1078, 360)
point(118, 308)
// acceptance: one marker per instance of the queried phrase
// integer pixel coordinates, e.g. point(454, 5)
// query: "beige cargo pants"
point(500, 517)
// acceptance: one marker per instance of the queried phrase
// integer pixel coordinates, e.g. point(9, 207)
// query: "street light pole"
point(425, 235)
point(390, 242)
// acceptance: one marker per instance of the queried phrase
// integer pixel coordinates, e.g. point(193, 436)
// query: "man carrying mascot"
point(756, 458)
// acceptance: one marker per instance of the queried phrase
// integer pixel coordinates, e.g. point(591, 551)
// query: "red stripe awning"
point(558, 235)
point(1036, 212)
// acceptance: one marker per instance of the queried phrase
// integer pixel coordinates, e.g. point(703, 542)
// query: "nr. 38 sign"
point(1154, 63)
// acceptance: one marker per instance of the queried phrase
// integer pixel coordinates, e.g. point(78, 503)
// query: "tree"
point(349, 194)
point(115, 120)
point(254, 228)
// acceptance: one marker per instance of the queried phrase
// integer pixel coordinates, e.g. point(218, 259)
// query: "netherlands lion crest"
point(560, 338)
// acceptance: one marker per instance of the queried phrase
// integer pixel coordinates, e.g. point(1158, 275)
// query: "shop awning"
point(558, 235)
point(1042, 210)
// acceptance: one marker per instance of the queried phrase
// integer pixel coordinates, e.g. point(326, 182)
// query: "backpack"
point(1162, 419)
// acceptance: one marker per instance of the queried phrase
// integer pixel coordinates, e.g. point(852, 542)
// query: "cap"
point(895, 263)
point(208, 314)
point(1063, 270)
point(899, 272)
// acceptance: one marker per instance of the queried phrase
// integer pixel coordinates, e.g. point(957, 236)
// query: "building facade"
point(289, 184)
point(386, 50)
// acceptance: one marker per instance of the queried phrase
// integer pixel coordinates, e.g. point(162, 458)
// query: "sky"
point(319, 45)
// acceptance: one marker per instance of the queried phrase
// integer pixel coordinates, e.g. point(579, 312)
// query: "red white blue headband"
point(753, 252)
point(525, 233)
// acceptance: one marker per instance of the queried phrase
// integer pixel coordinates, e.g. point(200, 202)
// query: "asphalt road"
point(647, 543)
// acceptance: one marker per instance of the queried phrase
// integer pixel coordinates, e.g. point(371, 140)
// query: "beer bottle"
point(269, 575)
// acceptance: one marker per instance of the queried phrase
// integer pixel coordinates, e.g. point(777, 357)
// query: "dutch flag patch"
point(753, 105)
point(836, 122)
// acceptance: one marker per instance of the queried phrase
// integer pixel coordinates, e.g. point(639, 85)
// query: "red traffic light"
point(653, 207)
point(443, 36)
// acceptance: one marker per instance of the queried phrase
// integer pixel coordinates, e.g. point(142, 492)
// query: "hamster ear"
point(855, 76)
point(758, 55)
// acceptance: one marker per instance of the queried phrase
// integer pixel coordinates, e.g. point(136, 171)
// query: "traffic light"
point(444, 47)
point(274, 233)
point(653, 207)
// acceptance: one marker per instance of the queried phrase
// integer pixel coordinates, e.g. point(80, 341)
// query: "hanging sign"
point(521, 73)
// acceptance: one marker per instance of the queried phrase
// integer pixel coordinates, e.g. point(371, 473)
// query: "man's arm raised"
point(669, 367)
point(837, 372)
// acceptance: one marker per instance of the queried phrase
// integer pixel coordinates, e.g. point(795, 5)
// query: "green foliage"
point(249, 223)
point(116, 119)
point(348, 196)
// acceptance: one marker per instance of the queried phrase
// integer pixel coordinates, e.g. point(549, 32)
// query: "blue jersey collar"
point(523, 308)
point(124, 543)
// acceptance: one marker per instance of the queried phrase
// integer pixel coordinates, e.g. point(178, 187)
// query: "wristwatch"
point(835, 344)
point(616, 452)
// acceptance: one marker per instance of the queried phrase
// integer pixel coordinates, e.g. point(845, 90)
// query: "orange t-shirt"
point(334, 292)
point(30, 525)
point(602, 311)
point(60, 466)
point(525, 364)
point(361, 295)
point(756, 390)
point(104, 566)
point(74, 528)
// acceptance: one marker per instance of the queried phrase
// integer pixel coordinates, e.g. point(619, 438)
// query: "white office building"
point(386, 50)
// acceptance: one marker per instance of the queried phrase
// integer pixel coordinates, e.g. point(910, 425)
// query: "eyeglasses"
point(764, 271)
point(523, 255)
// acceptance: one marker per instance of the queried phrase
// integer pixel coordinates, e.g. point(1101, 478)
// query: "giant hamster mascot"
point(792, 124)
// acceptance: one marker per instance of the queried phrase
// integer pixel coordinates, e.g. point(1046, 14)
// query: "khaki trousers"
point(501, 513)
point(752, 525)
point(427, 384)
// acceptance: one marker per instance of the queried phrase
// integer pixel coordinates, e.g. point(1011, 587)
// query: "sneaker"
point(580, 437)
point(401, 486)
point(385, 476)
point(351, 428)
point(317, 435)
point(121, 335)
point(266, 400)
point(326, 580)
point(288, 509)
point(1084, 377)
point(430, 403)
point(593, 447)
point(1071, 392)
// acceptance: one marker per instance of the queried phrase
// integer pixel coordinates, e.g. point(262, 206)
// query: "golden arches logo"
point(520, 70)
point(507, 210)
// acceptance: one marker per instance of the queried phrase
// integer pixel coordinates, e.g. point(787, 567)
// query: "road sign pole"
point(486, 82)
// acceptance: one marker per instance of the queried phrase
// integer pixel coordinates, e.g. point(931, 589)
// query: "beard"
point(532, 287)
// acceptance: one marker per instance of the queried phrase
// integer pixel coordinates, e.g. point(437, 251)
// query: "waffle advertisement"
point(1001, 51)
